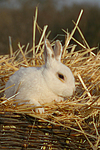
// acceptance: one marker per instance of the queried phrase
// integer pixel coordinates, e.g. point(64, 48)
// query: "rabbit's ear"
point(48, 51)
point(58, 50)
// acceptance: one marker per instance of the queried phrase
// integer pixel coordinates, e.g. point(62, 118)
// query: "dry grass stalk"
point(34, 33)
point(41, 39)
point(84, 85)
point(10, 46)
point(72, 33)
point(23, 54)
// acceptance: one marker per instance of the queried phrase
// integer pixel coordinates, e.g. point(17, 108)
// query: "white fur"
point(43, 85)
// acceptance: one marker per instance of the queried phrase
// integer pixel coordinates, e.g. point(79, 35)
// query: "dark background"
point(17, 22)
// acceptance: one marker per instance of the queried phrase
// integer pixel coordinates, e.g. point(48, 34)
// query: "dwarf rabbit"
point(52, 81)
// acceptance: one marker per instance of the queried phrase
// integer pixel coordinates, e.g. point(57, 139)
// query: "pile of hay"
point(74, 123)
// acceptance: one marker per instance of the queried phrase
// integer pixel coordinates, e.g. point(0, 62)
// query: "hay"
point(74, 123)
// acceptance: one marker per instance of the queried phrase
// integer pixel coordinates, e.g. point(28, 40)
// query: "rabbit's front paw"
point(59, 99)
point(39, 110)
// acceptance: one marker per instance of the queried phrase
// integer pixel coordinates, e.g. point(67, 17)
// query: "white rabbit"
point(39, 85)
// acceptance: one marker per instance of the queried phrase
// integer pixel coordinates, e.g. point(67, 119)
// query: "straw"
point(34, 33)
point(10, 46)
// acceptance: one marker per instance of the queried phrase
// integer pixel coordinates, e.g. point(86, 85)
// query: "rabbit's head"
point(58, 76)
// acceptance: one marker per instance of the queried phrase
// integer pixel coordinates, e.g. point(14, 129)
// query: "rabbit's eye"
point(61, 77)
